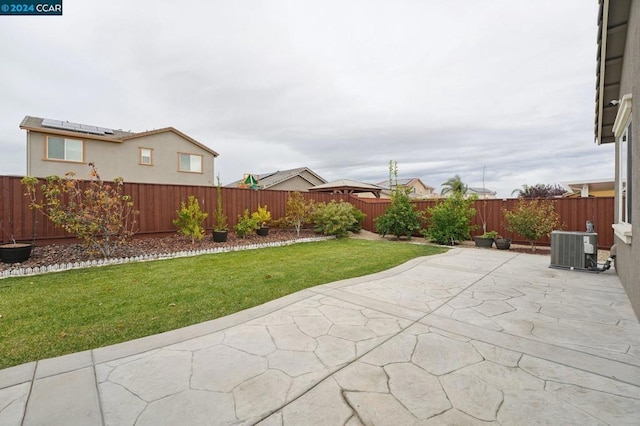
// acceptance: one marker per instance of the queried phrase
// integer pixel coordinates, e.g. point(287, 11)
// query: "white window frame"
point(622, 129)
point(65, 152)
point(191, 164)
point(142, 156)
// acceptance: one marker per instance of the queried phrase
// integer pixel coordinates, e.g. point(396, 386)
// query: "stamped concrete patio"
point(468, 337)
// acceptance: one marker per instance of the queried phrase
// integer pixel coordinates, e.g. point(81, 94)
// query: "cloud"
point(342, 87)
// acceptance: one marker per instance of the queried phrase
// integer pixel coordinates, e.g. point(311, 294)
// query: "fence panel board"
point(158, 204)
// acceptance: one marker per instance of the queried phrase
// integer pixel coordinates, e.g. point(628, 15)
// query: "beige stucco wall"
point(627, 265)
point(421, 191)
point(122, 159)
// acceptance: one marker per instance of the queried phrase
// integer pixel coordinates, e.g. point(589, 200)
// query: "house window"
point(64, 149)
point(624, 145)
point(624, 175)
point(190, 163)
point(146, 157)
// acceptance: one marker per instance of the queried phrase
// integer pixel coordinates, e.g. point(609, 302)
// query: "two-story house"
point(165, 156)
point(416, 189)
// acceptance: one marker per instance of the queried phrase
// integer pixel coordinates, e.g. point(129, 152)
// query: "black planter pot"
point(483, 242)
point(15, 253)
point(263, 231)
point(219, 236)
point(503, 243)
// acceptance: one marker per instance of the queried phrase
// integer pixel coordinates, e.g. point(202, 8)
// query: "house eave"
point(612, 32)
point(74, 135)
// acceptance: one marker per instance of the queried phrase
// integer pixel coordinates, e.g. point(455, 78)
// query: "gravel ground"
point(68, 253)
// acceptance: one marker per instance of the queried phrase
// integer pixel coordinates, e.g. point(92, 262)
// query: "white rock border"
point(39, 270)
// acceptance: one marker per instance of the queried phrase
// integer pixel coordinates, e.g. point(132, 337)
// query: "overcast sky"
point(443, 87)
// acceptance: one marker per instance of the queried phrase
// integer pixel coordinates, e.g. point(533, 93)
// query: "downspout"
point(28, 154)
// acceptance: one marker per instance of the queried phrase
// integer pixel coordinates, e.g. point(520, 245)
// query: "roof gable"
point(405, 182)
point(267, 180)
point(170, 130)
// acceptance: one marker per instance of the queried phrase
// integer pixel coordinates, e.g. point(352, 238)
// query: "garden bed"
point(55, 254)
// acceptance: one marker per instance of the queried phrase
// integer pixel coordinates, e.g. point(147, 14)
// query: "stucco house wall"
point(627, 264)
point(121, 157)
point(617, 111)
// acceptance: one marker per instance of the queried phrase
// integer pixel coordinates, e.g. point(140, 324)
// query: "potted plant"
point(220, 226)
point(15, 251)
point(485, 240)
point(502, 243)
point(262, 216)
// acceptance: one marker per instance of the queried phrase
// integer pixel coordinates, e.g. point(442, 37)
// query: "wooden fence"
point(158, 204)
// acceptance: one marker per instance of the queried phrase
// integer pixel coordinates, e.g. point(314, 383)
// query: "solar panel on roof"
point(54, 124)
point(76, 127)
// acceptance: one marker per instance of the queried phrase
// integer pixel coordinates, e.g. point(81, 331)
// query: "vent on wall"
point(574, 250)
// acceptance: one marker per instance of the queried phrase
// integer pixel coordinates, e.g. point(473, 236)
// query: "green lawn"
point(55, 314)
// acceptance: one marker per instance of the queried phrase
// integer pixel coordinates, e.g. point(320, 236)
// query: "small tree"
point(220, 219)
point(533, 219)
point(337, 218)
point(449, 220)
point(190, 221)
point(96, 212)
point(298, 212)
point(401, 218)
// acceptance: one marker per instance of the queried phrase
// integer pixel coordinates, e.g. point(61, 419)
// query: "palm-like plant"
point(454, 185)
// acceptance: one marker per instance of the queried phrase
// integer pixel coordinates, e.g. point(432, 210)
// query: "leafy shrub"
point(360, 216)
point(246, 224)
point(96, 212)
point(261, 216)
point(298, 212)
point(401, 218)
point(190, 221)
point(450, 219)
point(337, 218)
point(490, 234)
point(533, 219)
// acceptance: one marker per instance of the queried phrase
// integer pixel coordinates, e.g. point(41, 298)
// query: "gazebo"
point(347, 186)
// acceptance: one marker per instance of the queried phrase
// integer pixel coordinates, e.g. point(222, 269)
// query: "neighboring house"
point(481, 193)
point(416, 188)
point(590, 188)
point(165, 156)
point(351, 187)
point(300, 179)
point(618, 121)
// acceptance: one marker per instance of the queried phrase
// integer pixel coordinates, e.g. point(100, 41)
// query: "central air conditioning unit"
point(574, 250)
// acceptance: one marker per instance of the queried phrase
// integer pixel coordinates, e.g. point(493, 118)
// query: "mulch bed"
point(53, 254)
